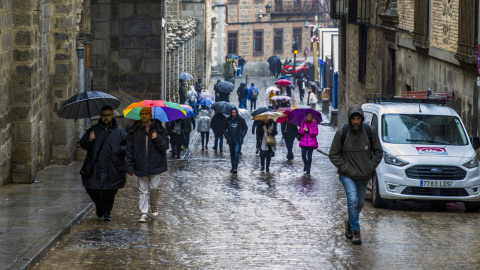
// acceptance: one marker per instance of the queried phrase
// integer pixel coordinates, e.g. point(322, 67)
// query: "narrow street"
point(211, 219)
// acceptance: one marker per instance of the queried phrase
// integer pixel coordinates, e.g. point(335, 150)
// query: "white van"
point(427, 154)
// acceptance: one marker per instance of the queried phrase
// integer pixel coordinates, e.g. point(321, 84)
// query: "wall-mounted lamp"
point(267, 8)
point(307, 24)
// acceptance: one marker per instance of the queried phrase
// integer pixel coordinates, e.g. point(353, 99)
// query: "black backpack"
point(367, 129)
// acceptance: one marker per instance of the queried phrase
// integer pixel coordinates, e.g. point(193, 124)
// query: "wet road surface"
point(211, 219)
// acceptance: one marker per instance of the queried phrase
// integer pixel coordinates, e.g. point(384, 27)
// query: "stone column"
point(176, 68)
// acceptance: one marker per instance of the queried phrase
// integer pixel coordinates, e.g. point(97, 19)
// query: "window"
point(352, 10)
point(297, 4)
point(337, 9)
point(258, 42)
point(297, 36)
point(278, 6)
point(233, 42)
point(467, 35)
point(364, 11)
point(421, 24)
point(362, 53)
point(278, 41)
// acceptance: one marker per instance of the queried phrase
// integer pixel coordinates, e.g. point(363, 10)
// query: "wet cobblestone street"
point(211, 219)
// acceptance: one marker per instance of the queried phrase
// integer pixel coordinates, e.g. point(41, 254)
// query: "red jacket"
point(309, 138)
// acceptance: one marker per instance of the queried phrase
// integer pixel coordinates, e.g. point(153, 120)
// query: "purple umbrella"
point(205, 94)
point(298, 115)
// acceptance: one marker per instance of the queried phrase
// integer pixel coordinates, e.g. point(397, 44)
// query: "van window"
point(368, 117)
point(422, 129)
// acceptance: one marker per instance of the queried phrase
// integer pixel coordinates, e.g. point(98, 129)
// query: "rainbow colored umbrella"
point(188, 109)
point(162, 110)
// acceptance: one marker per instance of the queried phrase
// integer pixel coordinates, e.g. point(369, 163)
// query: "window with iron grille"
point(352, 10)
point(297, 36)
point(278, 41)
point(421, 24)
point(364, 16)
point(278, 6)
point(258, 42)
point(362, 53)
point(343, 49)
point(297, 4)
point(233, 42)
point(337, 9)
point(468, 35)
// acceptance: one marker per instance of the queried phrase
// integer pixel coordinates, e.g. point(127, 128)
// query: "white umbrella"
point(245, 114)
point(281, 97)
point(272, 88)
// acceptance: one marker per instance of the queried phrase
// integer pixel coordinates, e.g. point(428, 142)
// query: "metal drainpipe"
point(81, 81)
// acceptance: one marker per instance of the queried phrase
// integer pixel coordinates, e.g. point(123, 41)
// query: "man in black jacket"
point(147, 134)
point(235, 128)
point(103, 172)
point(182, 94)
point(216, 124)
point(289, 132)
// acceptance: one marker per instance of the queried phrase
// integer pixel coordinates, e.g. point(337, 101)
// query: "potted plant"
point(228, 72)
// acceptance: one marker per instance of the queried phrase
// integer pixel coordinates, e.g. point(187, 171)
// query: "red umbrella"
point(283, 82)
point(285, 111)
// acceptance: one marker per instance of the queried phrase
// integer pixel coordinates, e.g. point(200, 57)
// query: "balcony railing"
point(295, 7)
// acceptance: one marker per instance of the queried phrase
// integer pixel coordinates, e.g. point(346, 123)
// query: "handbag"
point(270, 140)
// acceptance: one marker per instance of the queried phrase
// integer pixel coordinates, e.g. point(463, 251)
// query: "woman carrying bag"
point(268, 130)
point(308, 142)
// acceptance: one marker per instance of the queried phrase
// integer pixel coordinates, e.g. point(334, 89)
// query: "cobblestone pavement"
point(210, 219)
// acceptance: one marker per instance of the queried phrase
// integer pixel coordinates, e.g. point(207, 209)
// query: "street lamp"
point(260, 15)
point(267, 8)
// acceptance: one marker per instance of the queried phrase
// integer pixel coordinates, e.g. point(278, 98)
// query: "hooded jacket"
point(242, 91)
point(242, 129)
point(182, 93)
point(356, 158)
point(109, 170)
point(147, 156)
point(217, 124)
point(309, 138)
point(203, 124)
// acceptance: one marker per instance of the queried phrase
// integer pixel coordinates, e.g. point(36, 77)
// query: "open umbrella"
point(298, 115)
point(225, 87)
point(86, 104)
point(284, 77)
point(268, 115)
point(162, 110)
point(261, 110)
point(231, 55)
point(205, 101)
point(272, 88)
point(205, 94)
point(188, 109)
point(283, 82)
point(244, 113)
point(314, 86)
point(185, 76)
point(273, 58)
point(223, 107)
point(281, 97)
point(285, 111)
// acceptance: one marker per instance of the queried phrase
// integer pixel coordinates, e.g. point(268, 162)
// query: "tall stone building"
point(393, 46)
point(52, 50)
point(258, 29)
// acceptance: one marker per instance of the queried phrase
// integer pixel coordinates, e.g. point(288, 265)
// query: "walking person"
point(290, 132)
point(256, 132)
point(242, 93)
point(241, 64)
point(182, 93)
point(217, 92)
point(278, 67)
point(189, 126)
point(356, 156)
point(177, 136)
point(267, 128)
point(204, 128)
point(103, 171)
point(312, 99)
point(234, 129)
point(252, 96)
point(308, 142)
point(147, 145)
point(300, 83)
point(288, 90)
point(192, 96)
point(216, 124)
point(272, 67)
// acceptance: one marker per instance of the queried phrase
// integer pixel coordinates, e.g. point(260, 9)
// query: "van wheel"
point(377, 201)
point(472, 206)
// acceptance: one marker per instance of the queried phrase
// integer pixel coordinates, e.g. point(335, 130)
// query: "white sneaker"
point(154, 210)
point(143, 218)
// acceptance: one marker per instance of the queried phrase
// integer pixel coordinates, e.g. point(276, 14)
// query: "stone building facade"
point(393, 46)
point(52, 50)
point(258, 29)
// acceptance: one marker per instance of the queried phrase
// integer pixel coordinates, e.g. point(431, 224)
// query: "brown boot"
point(348, 230)
point(357, 240)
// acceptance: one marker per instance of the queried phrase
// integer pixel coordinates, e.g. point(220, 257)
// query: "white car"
point(427, 155)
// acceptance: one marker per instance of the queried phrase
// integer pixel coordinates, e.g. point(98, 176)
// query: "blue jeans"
point(253, 105)
point(234, 153)
point(241, 70)
point(356, 192)
point(243, 103)
point(218, 138)
point(289, 144)
point(307, 153)
point(194, 107)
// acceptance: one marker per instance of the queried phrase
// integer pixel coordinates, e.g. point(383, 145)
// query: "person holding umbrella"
point(252, 96)
point(216, 124)
point(103, 171)
point(182, 93)
point(147, 145)
point(177, 136)
point(204, 128)
point(267, 127)
point(192, 99)
point(217, 92)
point(308, 142)
point(234, 129)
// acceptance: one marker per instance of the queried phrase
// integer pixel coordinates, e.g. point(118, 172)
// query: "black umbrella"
point(225, 87)
point(261, 110)
point(314, 86)
point(273, 58)
point(185, 76)
point(87, 104)
point(223, 107)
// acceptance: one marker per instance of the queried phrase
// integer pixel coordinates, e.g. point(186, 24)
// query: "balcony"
point(296, 7)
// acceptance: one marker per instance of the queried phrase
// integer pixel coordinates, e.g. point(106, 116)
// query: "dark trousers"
point(253, 105)
point(262, 162)
point(289, 144)
point(307, 153)
point(272, 73)
point(302, 92)
point(176, 149)
point(205, 136)
point(103, 199)
point(259, 140)
point(217, 139)
point(234, 154)
point(187, 139)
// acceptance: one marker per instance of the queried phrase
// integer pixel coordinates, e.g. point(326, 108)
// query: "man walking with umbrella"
point(103, 171)
point(235, 128)
point(216, 124)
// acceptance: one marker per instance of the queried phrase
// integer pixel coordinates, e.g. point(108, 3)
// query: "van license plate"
point(435, 183)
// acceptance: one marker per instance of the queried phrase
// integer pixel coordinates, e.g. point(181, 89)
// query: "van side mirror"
point(475, 142)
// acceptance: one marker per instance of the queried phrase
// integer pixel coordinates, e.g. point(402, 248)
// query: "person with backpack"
point(308, 142)
point(204, 128)
point(253, 96)
point(177, 136)
point(356, 152)
point(192, 96)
